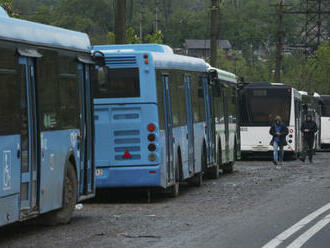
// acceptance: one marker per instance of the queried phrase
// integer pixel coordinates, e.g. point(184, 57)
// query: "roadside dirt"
point(123, 218)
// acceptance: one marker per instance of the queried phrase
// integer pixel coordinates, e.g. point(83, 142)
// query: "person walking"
point(279, 131)
point(308, 128)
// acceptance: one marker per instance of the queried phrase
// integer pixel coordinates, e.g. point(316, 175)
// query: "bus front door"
point(86, 133)
point(29, 146)
point(190, 125)
point(208, 117)
point(168, 129)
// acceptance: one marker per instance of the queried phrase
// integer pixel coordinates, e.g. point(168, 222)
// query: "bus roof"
point(304, 93)
point(174, 61)
point(267, 84)
point(162, 56)
point(26, 31)
point(3, 13)
point(224, 75)
point(135, 47)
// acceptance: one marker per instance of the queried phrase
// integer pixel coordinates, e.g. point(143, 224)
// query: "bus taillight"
point(152, 147)
point(151, 127)
point(152, 157)
point(151, 137)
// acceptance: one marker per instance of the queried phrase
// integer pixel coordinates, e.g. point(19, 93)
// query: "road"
point(256, 206)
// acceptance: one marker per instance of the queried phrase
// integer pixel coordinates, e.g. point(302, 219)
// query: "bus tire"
point(213, 172)
point(228, 168)
point(64, 215)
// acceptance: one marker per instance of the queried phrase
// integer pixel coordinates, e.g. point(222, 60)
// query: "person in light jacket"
point(279, 131)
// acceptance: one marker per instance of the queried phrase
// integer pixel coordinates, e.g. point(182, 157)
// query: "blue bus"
point(153, 118)
point(46, 127)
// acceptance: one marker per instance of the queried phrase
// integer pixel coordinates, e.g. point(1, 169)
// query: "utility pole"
point(157, 16)
point(120, 22)
point(214, 32)
point(279, 44)
point(141, 19)
point(315, 30)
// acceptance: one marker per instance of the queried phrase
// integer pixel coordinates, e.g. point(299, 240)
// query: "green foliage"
point(156, 37)
point(8, 6)
point(131, 37)
point(249, 25)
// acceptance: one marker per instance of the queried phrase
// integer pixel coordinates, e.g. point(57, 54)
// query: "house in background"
point(201, 48)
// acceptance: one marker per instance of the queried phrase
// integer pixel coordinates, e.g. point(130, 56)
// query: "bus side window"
point(68, 82)
point(9, 95)
point(47, 90)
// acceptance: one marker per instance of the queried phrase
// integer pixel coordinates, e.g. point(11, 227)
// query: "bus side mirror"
point(98, 57)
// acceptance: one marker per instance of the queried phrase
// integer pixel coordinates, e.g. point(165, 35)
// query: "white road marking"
point(296, 227)
point(302, 239)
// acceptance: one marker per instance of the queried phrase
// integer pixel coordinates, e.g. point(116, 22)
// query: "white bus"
point(260, 103)
point(325, 121)
point(311, 106)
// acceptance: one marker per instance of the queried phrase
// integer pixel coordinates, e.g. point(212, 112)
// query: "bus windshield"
point(326, 106)
point(117, 83)
point(263, 105)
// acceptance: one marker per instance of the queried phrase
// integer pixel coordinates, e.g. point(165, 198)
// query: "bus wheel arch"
point(70, 195)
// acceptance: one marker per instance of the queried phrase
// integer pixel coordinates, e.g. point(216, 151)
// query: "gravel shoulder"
point(122, 218)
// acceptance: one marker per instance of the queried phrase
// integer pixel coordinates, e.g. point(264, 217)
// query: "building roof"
point(26, 31)
point(205, 44)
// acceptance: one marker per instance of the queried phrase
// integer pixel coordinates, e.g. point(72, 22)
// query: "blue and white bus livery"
point(149, 117)
point(153, 118)
point(46, 143)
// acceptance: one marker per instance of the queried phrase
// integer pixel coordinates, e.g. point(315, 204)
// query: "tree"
point(120, 22)
point(156, 37)
point(8, 6)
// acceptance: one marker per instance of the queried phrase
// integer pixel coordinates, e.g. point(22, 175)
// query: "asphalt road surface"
point(256, 206)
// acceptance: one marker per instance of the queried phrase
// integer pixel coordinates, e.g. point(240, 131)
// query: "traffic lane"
point(320, 240)
point(254, 227)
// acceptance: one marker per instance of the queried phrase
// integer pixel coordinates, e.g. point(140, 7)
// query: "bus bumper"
point(117, 177)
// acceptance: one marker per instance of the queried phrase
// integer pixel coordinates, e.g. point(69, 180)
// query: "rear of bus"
point(260, 103)
point(126, 120)
point(325, 121)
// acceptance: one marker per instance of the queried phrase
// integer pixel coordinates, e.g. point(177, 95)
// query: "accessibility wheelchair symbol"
point(6, 174)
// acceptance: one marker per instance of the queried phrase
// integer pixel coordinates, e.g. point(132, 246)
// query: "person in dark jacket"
point(279, 131)
point(308, 128)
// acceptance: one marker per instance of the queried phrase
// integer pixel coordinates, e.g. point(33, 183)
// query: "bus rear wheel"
point(228, 168)
point(213, 172)
point(64, 215)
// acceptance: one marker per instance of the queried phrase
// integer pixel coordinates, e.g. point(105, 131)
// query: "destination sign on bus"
point(259, 92)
